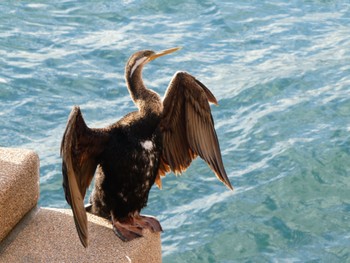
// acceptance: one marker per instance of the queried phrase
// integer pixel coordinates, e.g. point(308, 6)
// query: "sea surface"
point(281, 73)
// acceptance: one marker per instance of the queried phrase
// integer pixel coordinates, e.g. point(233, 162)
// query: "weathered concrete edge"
point(19, 186)
point(18, 228)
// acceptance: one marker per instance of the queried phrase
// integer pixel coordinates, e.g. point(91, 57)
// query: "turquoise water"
point(281, 73)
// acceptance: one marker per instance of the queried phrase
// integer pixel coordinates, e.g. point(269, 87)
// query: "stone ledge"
point(31, 234)
point(50, 236)
point(19, 184)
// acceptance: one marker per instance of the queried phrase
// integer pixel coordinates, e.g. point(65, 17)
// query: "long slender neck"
point(134, 82)
point(145, 99)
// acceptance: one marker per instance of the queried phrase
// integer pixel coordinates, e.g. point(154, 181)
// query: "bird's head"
point(141, 58)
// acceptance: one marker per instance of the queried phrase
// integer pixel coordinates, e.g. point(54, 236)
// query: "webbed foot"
point(130, 228)
point(149, 222)
point(126, 232)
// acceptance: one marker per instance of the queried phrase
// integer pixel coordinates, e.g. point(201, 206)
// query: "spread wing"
point(80, 149)
point(188, 128)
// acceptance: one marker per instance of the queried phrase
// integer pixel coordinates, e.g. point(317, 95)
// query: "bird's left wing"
point(80, 149)
point(188, 129)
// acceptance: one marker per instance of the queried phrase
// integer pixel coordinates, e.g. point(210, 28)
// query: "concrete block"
point(19, 186)
point(50, 236)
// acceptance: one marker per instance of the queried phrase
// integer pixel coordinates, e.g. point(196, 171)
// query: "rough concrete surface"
point(51, 237)
point(30, 234)
point(19, 186)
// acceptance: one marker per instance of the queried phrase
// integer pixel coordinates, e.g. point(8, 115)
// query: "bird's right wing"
point(188, 129)
point(80, 149)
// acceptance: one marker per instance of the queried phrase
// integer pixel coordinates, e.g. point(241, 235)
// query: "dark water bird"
point(129, 156)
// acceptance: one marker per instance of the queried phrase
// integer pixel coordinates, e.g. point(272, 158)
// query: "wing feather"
point(80, 148)
point(188, 128)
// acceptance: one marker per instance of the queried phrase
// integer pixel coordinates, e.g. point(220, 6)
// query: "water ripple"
point(280, 71)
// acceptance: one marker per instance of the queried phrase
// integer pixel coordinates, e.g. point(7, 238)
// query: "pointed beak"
point(163, 53)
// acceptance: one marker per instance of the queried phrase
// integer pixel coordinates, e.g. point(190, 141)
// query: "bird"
point(131, 155)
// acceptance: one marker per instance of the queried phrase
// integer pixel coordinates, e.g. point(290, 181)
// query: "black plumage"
point(129, 156)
